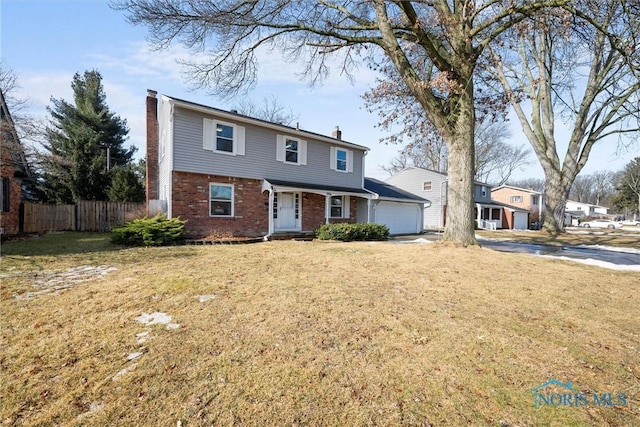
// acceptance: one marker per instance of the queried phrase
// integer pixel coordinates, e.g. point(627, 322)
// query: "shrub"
point(349, 232)
point(156, 231)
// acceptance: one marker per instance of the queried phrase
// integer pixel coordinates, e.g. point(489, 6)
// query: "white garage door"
point(520, 220)
point(401, 218)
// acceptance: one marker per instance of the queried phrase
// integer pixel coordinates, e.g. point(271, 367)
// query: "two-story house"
point(432, 185)
point(13, 169)
point(228, 174)
point(522, 198)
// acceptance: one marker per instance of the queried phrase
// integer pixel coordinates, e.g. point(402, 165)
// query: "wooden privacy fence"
point(83, 216)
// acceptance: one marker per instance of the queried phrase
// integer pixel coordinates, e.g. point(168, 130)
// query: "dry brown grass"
point(312, 333)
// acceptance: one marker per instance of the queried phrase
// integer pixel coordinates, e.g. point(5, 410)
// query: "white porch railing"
point(488, 224)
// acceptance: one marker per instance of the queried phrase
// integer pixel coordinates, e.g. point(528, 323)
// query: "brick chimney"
point(152, 146)
point(337, 133)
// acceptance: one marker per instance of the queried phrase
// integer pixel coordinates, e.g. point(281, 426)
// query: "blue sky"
point(45, 42)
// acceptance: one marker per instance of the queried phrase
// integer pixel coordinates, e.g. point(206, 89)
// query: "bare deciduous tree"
point(581, 66)
point(270, 110)
point(433, 46)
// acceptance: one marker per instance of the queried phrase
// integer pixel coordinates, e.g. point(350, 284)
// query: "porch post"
point(327, 207)
point(270, 213)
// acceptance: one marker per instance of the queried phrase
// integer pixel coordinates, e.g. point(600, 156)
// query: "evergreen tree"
point(127, 184)
point(78, 140)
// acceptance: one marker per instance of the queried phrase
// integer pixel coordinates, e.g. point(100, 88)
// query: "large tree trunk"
point(556, 194)
point(461, 151)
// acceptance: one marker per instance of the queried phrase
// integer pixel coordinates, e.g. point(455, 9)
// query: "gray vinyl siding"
point(411, 180)
point(259, 160)
point(477, 190)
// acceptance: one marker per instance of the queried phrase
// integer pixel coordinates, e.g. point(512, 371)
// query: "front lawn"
point(310, 333)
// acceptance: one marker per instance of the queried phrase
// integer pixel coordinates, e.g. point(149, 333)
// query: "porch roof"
point(279, 185)
point(498, 205)
point(388, 191)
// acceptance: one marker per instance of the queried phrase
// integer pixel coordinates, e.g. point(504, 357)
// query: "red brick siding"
point(152, 147)
point(313, 207)
point(190, 201)
point(10, 220)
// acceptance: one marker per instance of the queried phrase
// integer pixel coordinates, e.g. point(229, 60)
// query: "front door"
point(286, 211)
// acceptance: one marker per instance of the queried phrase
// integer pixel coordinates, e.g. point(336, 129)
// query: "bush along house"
point(230, 175)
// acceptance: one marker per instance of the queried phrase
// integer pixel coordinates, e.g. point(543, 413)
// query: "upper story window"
point(483, 191)
point(426, 186)
point(223, 137)
point(291, 150)
point(515, 199)
point(341, 159)
point(535, 200)
point(221, 200)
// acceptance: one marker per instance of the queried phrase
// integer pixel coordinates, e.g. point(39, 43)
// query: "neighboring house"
point(432, 185)
point(13, 169)
point(526, 199)
point(585, 209)
point(232, 175)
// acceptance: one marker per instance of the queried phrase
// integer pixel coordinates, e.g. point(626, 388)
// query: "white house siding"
point(411, 180)
point(259, 160)
point(165, 152)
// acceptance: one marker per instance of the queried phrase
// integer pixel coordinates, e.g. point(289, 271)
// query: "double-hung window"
point(223, 137)
point(515, 199)
point(339, 207)
point(221, 200)
point(291, 150)
point(336, 206)
point(341, 159)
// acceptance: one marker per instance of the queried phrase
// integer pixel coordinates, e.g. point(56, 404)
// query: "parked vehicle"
point(632, 222)
point(601, 223)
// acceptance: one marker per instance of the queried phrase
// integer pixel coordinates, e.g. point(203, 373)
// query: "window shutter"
point(302, 154)
point(349, 161)
point(208, 134)
point(280, 148)
point(240, 140)
point(332, 164)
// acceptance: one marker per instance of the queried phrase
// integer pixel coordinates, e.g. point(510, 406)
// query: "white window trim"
point(233, 210)
point(210, 134)
point(281, 152)
point(345, 206)
point(430, 185)
point(334, 160)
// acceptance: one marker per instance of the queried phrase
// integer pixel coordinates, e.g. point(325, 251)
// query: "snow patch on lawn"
point(205, 298)
point(610, 248)
point(420, 240)
point(157, 318)
point(598, 263)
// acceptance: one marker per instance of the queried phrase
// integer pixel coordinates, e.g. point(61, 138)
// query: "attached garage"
point(399, 210)
point(401, 218)
point(520, 220)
